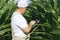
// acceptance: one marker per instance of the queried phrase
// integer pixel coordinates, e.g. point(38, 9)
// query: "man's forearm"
point(30, 27)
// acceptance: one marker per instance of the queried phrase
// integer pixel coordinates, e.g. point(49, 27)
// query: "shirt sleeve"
point(20, 21)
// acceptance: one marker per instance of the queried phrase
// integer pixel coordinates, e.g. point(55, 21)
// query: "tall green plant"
point(6, 9)
point(47, 12)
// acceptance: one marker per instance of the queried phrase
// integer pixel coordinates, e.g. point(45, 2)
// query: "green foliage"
point(6, 9)
point(47, 11)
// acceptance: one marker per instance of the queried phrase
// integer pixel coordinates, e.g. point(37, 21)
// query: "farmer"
point(19, 24)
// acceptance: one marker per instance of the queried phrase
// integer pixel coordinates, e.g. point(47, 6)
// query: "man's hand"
point(32, 22)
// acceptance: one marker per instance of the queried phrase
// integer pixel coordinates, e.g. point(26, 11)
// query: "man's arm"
point(29, 27)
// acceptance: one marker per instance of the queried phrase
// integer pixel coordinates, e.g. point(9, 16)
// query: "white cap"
point(23, 3)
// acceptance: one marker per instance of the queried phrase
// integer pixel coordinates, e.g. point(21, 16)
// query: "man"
point(18, 22)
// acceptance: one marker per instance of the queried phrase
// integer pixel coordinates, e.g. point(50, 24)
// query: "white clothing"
point(17, 20)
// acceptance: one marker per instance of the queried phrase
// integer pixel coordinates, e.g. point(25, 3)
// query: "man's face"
point(23, 10)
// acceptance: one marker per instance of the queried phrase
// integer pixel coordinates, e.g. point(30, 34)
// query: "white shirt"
point(18, 20)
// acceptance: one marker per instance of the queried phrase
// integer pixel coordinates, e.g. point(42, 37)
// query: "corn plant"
point(6, 9)
point(46, 11)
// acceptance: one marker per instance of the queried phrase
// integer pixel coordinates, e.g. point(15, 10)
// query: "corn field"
point(47, 11)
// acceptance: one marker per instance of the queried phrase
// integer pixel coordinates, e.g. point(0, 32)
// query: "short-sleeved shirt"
point(18, 22)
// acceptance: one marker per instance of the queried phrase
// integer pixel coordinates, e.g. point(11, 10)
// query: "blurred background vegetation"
point(47, 11)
